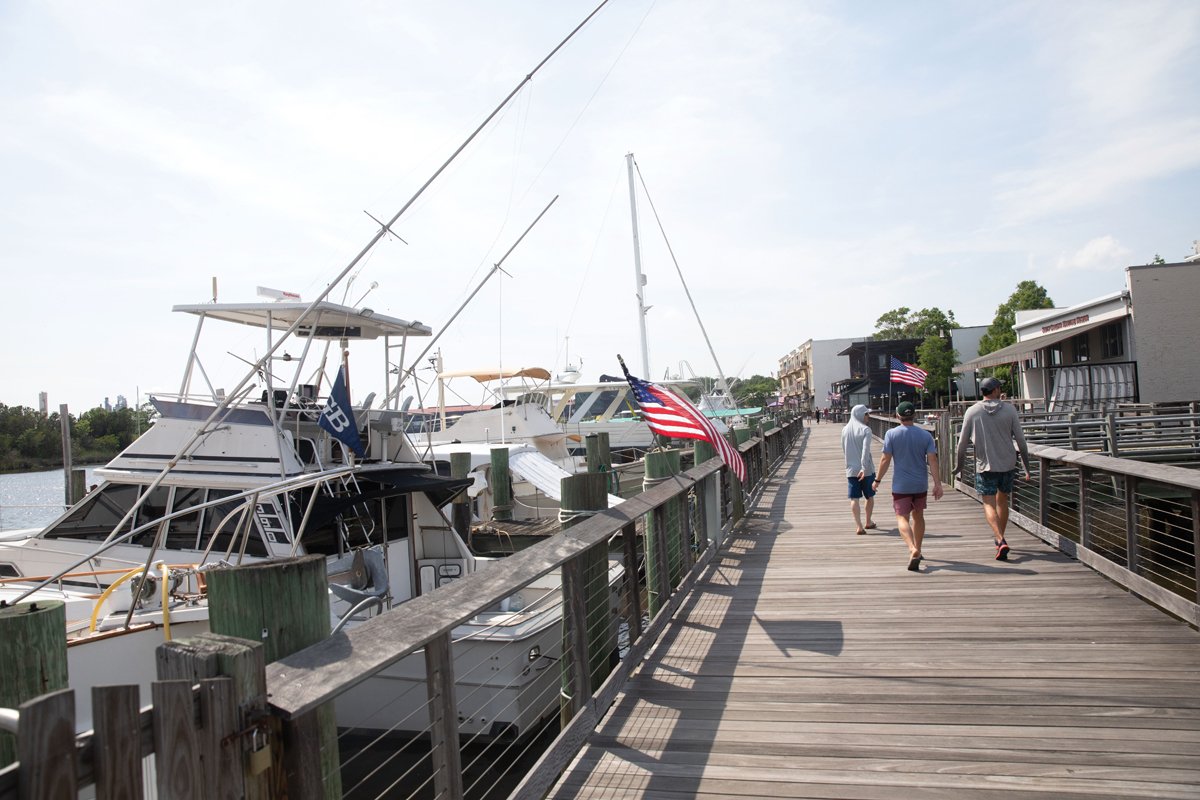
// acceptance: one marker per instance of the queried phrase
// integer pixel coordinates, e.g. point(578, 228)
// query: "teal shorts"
point(988, 483)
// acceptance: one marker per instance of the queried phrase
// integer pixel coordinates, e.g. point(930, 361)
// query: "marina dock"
point(808, 662)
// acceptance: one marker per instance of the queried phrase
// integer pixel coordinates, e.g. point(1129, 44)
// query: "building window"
point(1054, 355)
point(1112, 339)
point(883, 362)
point(1082, 352)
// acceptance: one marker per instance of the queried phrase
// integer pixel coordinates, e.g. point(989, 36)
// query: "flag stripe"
point(668, 414)
point(907, 374)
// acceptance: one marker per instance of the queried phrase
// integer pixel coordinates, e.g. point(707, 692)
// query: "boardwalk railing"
point(1135, 522)
point(211, 734)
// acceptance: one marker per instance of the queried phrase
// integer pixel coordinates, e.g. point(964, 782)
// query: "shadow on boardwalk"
point(810, 663)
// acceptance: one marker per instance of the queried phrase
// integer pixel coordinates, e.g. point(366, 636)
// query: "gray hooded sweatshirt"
point(856, 444)
point(992, 425)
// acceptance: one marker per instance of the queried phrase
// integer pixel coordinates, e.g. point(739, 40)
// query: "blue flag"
point(338, 416)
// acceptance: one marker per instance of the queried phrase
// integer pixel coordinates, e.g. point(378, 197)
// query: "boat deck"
point(809, 662)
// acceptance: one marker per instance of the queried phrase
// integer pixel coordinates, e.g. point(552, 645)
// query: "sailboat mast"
point(637, 270)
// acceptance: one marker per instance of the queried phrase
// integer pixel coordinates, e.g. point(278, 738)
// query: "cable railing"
point(448, 710)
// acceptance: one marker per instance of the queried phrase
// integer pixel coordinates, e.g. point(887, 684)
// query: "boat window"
point(213, 517)
point(183, 531)
point(154, 507)
point(9, 571)
point(397, 517)
point(96, 517)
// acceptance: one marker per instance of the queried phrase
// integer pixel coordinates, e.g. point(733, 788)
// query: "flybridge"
point(328, 320)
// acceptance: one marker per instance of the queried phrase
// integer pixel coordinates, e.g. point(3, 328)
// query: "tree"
point(758, 390)
point(902, 323)
point(937, 358)
point(1157, 260)
point(1000, 333)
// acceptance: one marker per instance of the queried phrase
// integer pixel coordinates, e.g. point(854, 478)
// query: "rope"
point(570, 516)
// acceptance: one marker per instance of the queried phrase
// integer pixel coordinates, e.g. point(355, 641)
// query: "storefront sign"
point(1066, 323)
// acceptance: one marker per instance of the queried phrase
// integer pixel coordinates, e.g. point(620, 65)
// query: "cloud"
point(1098, 254)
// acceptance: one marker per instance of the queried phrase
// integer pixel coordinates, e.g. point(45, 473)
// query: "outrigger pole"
point(383, 231)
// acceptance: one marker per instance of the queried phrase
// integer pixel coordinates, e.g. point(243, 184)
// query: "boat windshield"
point(95, 518)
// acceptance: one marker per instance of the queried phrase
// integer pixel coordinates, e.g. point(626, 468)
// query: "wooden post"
point(64, 421)
point(1085, 507)
point(1043, 491)
point(589, 493)
point(1110, 423)
point(1071, 431)
point(46, 748)
point(232, 676)
point(1196, 538)
point(33, 659)
point(443, 717)
point(176, 744)
point(501, 485)
point(78, 484)
point(284, 604)
point(735, 485)
point(633, 590)
point(460, 509)
point(656, 540)
point(591, 447)
point(704, 451)
point(661, 465)
point(1131, 526)
point(117, 747)
point(576, 680)
point(606, 459)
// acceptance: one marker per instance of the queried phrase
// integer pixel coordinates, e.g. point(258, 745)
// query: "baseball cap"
point(989, 385)
point(906, 409)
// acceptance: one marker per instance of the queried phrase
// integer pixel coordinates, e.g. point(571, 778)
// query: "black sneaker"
point(1002, 551)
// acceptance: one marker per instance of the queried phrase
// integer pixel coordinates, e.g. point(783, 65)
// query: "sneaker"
point(1002, 551)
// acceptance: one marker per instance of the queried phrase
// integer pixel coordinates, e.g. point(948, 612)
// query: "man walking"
point(860, 469)
point(993, 425)
point(911, 448)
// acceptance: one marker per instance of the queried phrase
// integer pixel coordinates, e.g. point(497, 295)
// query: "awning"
point(1025, 350)
point(332, 321)
point(494, 373)
point(440, 490)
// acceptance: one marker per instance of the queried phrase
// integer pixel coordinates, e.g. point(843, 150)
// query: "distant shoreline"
point(50, 468)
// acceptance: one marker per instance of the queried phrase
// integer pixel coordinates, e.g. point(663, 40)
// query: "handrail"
point(309, 678)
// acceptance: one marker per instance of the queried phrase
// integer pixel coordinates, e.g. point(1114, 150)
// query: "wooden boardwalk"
point(810, 663)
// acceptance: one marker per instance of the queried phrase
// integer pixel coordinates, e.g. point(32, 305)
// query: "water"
point(33, 499)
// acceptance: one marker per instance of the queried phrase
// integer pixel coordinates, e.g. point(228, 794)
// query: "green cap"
point(906, 409)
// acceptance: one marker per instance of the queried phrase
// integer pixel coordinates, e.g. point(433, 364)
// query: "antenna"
point(214, 288)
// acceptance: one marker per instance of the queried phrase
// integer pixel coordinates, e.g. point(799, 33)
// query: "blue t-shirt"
point(908, 445)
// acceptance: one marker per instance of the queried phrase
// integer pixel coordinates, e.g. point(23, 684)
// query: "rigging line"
point(650, 200)
point(595, 247)
point(590, 99)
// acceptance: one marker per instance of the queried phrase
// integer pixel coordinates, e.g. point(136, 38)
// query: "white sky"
point(815, 165)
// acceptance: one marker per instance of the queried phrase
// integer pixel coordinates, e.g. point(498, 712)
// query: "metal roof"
point(495, 373)
point(1025, 350)
point(332, 321)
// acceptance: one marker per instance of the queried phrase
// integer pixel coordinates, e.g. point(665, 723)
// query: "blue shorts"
point(988, 483)
point(861, 488)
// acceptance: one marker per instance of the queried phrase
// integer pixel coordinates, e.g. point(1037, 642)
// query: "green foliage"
point(758, 390)
point(1157, 260)
point(937, 358)
point(903, 323)
point(29, 440)
point(1000, 333)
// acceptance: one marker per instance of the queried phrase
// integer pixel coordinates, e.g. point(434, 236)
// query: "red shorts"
point(905, 504)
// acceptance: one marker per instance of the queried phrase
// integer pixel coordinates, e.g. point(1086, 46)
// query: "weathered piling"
point(704, 451)
point(78, 484)
point(460, 509)
point(662, 531)
point(586, 626)
point(735, 485)
point(33, 658)
point(284, 604)
point(614, 483)
point(64, 421)
point(501, 485)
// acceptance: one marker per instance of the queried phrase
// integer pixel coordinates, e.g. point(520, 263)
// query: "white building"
point(1132, 345)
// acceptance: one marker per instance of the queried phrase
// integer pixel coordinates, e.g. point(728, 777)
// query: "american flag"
point(675, 417)
point(907, 373)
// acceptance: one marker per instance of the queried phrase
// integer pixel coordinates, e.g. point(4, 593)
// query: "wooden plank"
point(117, 752)
point(46, 748)
point(577, 675)
point(633, 590)
point(221, 760)
point(176, 745)
point(33, 658)
point(807, 662)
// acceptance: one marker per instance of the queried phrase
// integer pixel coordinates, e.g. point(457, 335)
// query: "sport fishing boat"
point(258, 477)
